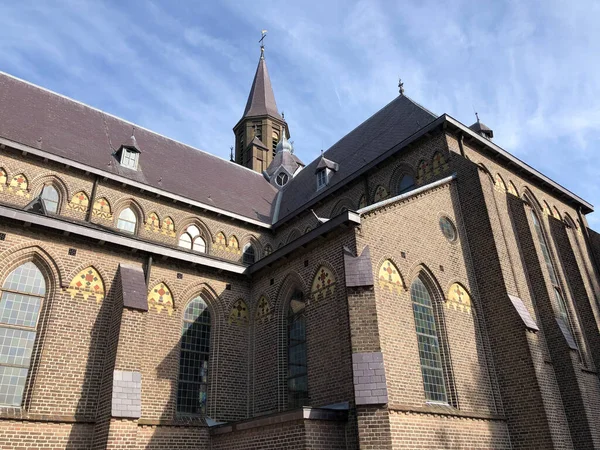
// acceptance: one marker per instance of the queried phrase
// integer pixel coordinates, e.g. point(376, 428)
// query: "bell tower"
point(261, 126)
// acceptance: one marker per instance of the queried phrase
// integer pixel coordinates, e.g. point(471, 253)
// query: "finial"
point(400, 86)
point(321, 152)
point(262, 44)
point(477, 115)
point(282, 115)
point(231, 153)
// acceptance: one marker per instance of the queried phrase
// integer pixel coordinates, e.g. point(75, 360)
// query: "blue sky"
point(531, 69)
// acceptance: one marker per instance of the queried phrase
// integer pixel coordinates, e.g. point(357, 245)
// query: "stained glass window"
point(429, 345)
point(249, 255)
point(20, 305)
point(127, 221)
point(448, 229)
point(297, 373)
point(192, 239)
point(193, 362)
point(50, 198)
point(544, 247)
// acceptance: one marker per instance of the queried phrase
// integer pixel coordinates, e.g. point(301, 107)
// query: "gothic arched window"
point(429, 343)
point(50, 198)
point(297, 373)
point(127, 221)
point(193, 360)
point(249, 254)
point(20, 305)
point(192, 239)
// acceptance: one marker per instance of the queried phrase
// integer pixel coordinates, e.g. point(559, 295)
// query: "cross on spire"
point(262, 44)
point(400, 86)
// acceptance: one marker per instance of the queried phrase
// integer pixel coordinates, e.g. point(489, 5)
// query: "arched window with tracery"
point(192, 239)
point(192, 388)
point(21, 301)
point(297, 372)
point(429, 343)
point(406, 183)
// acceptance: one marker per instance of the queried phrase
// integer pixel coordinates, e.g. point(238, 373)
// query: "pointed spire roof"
point(261, 101)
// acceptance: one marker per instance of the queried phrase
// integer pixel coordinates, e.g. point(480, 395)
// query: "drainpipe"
point(88, 217)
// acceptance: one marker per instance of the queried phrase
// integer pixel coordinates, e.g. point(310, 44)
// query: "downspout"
point(88, 217)
point(148, 269)
point(460, 145)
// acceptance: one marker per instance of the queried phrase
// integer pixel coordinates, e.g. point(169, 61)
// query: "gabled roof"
point(261, 101)
point(256, 141)
point(38, 118)
point(325, 163)
point(389, 126)
point(287, 160)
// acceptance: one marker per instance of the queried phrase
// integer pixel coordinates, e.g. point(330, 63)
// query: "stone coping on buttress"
point(305, 413)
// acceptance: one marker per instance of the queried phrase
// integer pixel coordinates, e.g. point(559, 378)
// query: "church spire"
point(261, 126)
point(261, 101)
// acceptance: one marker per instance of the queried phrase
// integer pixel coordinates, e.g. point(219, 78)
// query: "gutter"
point(126, 181)
point(414, 192)
point(123, 241)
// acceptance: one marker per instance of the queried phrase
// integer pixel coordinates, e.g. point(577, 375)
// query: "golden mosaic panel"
point(263, 311)
point(499, 184)
point(160, 298)
point(239, 313)
point(381, 193)
point(79, 202)
point(268, 250)
point(458, 299)
point(389, 277)
point(440, 164)
point(555, 213)
point(323, 284)
point(234, 245)
point(102, 208)
point(3, 179)
point(87, 282)
point(546, 208)
point(152, 222)
point(168, 227)
point(19, 185)
point(512, 189)
point(423, 172)
point(362, 203)
point(221, 241)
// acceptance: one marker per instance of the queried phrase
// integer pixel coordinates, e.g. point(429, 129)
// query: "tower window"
point(275, 141)
point(129, 158)
point(282, 179)
point(50, 198)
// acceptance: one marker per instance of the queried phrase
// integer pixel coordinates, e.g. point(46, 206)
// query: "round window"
point(448, 229)
point(281, 179)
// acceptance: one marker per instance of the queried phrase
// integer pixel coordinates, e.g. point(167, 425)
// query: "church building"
point(416, 286)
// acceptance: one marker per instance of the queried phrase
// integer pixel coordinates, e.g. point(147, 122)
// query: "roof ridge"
point(435, 116)
point(137, 126)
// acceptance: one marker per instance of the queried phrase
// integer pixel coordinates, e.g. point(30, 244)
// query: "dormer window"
point(322, 178)
point(282, 179)
point(129, 158)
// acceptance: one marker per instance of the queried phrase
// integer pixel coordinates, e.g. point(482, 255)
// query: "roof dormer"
point(128, 154)
point(324, 171)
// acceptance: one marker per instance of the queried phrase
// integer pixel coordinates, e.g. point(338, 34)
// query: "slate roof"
point(261, 101)
point(284, 159)
point(36, 117)
point(395, 122)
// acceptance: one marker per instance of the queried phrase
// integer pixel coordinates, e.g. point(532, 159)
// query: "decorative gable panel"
point(102, 209)
point(239, 313)
point(389, 277)
point(458, 298)
point(160, 298)
point(168, 227)
point(152, 222)
point(19, 185)
point(79, 202)
point(323, 284)
point(88, 283)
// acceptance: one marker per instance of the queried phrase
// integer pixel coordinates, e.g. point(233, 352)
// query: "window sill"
point(12, 413)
